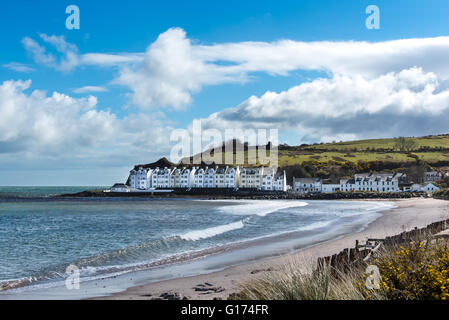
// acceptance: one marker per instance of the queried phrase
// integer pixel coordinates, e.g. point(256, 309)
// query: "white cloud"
point(173, 68)
point(409, 102)
point(87, 89)
point(19, 67)
point(40, 122)
point(171, 71)
point(107, 60)
point(60, 130)
point(69, 53)
point(69, 56)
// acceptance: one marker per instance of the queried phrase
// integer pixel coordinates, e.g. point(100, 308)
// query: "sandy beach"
point(408, 214)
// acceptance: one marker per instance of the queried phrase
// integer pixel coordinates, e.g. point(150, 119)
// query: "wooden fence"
point(353, 257)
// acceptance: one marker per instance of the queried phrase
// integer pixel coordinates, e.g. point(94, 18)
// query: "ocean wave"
point(212, 232)
point(179, 247)
point(260, 207)
point(354, 208)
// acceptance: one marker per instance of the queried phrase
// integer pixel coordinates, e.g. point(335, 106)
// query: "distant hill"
point(161, 163)
point(342, 159)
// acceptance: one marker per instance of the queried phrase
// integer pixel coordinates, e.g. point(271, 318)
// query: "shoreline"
point(224, 270)
point(408, 214)
point(241, 194)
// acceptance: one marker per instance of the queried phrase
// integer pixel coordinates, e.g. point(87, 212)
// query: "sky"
point(83, 106)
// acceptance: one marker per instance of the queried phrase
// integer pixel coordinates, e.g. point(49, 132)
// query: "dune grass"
point(418, 270)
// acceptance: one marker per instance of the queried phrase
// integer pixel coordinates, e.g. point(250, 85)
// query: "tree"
point(404, 144)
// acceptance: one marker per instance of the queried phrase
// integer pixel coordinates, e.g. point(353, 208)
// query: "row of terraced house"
point(261, 178)
point(377, 182)
point(370, 182)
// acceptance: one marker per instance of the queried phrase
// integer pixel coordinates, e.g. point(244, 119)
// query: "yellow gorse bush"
point(418, 271)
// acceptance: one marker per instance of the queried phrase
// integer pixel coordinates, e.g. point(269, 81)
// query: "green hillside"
point(430, 149)
point(342, 159)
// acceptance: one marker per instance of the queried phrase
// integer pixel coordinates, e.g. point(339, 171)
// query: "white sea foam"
point(211, 232)
point(260, 207)
point(354, 208)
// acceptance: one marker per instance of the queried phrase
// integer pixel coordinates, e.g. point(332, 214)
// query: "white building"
point(432, 176)
point(307, 185)
point(330, 188)
point(268, 175)
point(187, 178)
point(140, 179)
point(161, 178)
point(376, 182)
point(209, 178)
point(220, 177)
point(199, 178)
point(268, 179)
point(425, 187)
point(120, 187)
point(430, 187)
point(232, 176)
point(175, 178)
point(251, 178)
point(280, 181)
point(226, 177)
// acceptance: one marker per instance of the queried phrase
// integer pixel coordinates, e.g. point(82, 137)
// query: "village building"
point(424, 187)
point(432, 176)
point(268, 178)
point(120, 187)
point(187, 178)
point(175, 178)
point(161, 178)
point(280, 181)
point(307, 185)
point(199, 178)
point(251, 178)
point(209, 178)
point(220, 174)
point(330, 187)
point(232, 176)
point(375, 182)
point(140, 179)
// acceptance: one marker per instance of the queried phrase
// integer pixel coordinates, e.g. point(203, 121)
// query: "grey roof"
point(279, 174)
point(186, 170)
point(306, 180)
point(367, 177)
point(200, 170)
point(119, 185)
point(250, 170)
point(221, 170)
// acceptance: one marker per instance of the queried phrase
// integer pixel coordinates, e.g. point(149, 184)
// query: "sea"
point(41, 236)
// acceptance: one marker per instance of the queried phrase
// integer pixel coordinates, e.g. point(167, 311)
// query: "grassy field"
point(421, 142)
point(343, 159)
point(430, 149)
point(289, 158)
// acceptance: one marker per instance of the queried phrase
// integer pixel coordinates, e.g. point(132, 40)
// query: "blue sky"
point(73, 117)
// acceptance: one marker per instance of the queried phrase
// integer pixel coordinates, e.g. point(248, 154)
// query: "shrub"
point(417, 271)
point(442, 194)
point(299, 282)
